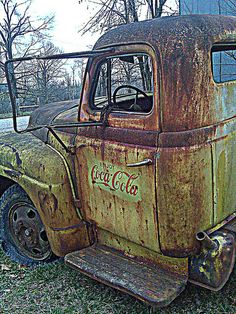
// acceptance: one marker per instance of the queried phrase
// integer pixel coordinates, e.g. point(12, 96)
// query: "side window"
point(224, 64)
point(126, 83)
point(224, 72)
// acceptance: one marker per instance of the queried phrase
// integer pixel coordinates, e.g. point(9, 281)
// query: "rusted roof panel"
point(183, 44)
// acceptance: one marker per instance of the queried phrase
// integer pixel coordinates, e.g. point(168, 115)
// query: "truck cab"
point(133, 184)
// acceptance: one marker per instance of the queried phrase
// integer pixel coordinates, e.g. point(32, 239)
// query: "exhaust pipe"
point(206, 241)
point(212, 266)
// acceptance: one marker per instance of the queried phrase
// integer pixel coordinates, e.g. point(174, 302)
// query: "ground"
point(6, 124)
point(58, 289)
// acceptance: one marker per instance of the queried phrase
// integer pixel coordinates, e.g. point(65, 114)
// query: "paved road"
point(6, 125)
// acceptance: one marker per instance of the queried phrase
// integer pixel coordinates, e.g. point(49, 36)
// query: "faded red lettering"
point(118, 181)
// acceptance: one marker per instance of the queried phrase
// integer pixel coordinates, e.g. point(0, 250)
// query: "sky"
point(70, 16)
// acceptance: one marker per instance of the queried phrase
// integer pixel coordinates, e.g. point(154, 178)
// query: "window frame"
point(96, 76)
point(222, 47)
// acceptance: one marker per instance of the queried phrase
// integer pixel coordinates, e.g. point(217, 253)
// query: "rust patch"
point(18, 160)
point(13, 174)
point(48, 202)
point(184, 195)
point(213, 265)
point(153, 285)
point(122, 135)
point(186, 138)
point(69, 240)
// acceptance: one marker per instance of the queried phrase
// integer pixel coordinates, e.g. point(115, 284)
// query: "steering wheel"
point(138, 91)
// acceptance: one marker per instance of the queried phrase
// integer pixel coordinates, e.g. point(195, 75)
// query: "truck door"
point(116, 163)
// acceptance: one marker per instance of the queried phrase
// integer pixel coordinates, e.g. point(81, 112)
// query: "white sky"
point(70, 16)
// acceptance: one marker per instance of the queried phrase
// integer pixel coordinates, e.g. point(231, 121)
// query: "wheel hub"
point(28, 232)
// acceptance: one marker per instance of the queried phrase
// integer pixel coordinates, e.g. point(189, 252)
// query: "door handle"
point(141, 163)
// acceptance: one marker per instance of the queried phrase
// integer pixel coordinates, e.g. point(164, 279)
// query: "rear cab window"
point(224, 64)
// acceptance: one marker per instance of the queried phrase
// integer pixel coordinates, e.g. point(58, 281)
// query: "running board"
point(153, 285)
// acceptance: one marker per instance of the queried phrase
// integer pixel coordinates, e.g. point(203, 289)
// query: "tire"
point(22, 233)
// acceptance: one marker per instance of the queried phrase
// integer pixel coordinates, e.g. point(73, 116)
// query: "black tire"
point(22, 233)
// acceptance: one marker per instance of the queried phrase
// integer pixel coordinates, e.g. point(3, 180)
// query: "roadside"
point(6, 125)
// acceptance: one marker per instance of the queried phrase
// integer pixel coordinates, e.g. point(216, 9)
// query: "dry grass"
point(58, 289)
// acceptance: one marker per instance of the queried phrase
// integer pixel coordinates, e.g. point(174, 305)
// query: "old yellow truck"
point(135, 184)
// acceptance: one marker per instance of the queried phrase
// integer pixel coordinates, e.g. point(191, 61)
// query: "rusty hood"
point(58, 112)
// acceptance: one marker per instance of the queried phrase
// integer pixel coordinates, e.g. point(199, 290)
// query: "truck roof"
point(161, 30)
point(183, 45)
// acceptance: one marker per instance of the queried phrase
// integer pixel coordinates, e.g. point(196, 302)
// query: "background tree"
point(44, 81)
point(19, 34)
point(111, 13)
point(36, 78)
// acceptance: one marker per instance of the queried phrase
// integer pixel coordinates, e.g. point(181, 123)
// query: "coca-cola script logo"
point(115, 180)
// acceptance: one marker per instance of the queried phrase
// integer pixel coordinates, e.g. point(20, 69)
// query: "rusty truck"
point(134, 184)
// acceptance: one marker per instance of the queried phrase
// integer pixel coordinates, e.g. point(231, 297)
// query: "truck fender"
point(43, 174)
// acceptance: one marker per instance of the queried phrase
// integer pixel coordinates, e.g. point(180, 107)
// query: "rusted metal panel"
point(200, 136)
point(116, 198)
point(183, 47)
point(224, 100)
point(186, 138)
point(148, 283)
point(224, 152)
point(187, 105)
point(184, 197)
point(135, 121)
point(42, 173)
point(123, 202)
point(64, 241)
point(224, 157)
point(178, 266)
point(122, 135)
point(212, 266)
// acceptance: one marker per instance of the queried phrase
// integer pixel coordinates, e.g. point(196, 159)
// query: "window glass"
point(126, 83)
point(224, 7)
point(224, 65)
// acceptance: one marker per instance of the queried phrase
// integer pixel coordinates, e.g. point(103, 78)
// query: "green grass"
point(58, 289)
point(5, 115)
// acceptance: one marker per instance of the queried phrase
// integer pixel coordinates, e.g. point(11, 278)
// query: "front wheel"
point(22, 233)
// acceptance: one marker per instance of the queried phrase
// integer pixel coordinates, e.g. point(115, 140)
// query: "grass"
point(10, 115)
point(5, 115)
point(58, 289)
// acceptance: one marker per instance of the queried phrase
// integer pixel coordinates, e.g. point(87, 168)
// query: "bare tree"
point(111, 13)
point(19, 33)
point(18, 30)
point(155, 7)
point(36, 79)
point(44, 80)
